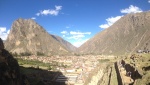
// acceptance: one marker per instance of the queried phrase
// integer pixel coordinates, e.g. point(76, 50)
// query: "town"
point(75, 69)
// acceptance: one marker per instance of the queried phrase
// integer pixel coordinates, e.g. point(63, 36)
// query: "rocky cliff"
point(9, 69)
point(26, 36)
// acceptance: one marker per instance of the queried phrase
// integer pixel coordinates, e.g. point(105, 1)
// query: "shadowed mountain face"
point(27, 36)
point(9, 69)
point(127, 35)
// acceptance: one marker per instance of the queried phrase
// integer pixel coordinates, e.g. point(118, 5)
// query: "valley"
point(118, 55)
point(90, 69)
point(75, 69)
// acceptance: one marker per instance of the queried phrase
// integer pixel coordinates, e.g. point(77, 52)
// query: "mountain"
point(128, 35)
point(10, 73)
point(26, 36)
point(65, 43)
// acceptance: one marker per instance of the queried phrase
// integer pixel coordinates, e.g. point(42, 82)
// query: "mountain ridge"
point(65, 43)
point(127, 35)
point(28, 36)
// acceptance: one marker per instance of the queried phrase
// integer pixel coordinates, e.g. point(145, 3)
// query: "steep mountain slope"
point(127, 35)
point(10, 73)
point(65, 43)
point(27, 36)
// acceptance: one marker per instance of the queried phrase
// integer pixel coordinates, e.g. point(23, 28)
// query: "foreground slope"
point(26, 36)
point(127, 35)
point(9, 69)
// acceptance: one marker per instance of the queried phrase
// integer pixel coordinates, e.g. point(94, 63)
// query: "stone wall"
point(95, 79)
point(128, 73)
point(106, 77)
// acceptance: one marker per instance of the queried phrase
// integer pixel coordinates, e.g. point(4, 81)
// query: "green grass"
point(32, 62)
point(145, 80)
point(38, 64)
point(113, 80)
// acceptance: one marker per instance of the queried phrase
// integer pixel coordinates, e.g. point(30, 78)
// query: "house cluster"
point(143, 51)
point(75, 69)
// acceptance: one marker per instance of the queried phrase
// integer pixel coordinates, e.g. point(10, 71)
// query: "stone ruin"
point(128, 73)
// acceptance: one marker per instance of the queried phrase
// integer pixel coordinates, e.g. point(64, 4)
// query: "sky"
point(74, 20)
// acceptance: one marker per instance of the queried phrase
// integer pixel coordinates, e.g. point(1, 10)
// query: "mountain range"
point(128, 35)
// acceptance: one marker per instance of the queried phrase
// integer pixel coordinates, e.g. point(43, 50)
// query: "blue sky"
point(74, 20)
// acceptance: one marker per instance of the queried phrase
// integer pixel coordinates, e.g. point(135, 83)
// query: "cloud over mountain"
point(76, 37)
point(111, 20)
point(33, 18)
point(4, 33)
point(131, 9)
point(53, 12)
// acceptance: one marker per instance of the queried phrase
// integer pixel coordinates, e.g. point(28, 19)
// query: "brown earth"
point(128, 35)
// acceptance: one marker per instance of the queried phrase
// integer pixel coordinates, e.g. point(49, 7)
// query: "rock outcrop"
point(9, 69)
point(26, 36)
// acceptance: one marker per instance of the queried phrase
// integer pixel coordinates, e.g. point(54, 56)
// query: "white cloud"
point(64, 32)
point(58, 7)
point(50, 12)
point(33, 18)
point(78, 43)
point(64, 35)
point(2, 29)
point(37, 14)
point(76, 36)
point(4, 33)
point(8, 31)
point(53, 12)
point(79, 33)
point(131, 9)
point(110, 21)
point(148, 1)
point(104, 26)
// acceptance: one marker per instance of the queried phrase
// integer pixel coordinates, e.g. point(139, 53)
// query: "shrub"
point(49, 68)
point(25, 54)
point(14, 54)
point(40, 54)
